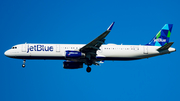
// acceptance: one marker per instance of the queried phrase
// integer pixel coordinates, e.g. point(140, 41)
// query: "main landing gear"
point(23, 65)
point(89, 63)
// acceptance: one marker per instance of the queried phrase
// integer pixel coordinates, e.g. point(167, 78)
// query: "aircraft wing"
point(91, 48)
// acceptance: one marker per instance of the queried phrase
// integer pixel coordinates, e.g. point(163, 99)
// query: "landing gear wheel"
point(88, 69)
point(23, 65)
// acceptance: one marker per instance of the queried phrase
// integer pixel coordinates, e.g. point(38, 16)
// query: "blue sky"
point(79, 22)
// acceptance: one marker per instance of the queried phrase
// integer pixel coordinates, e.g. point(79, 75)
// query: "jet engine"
point(72, 65)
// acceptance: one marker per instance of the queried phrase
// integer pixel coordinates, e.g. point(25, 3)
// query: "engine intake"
point(74, 54)
point(72, 65)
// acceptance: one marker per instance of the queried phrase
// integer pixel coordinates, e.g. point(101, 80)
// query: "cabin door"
point(24, 47)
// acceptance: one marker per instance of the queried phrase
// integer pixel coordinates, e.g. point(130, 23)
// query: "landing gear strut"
point(88, 69)
point(23, 65)
point(88, 63)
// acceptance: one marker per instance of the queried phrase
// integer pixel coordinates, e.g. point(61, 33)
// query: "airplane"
point(94, 53)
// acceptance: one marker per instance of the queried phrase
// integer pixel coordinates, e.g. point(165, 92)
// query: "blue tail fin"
point(162, 37)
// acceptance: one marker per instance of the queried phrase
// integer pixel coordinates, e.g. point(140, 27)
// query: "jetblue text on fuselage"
point(39, 48)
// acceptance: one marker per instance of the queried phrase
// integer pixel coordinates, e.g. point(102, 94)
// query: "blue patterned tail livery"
point(162, 37)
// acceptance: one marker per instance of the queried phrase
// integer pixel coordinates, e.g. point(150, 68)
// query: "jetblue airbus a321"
point(75, 55)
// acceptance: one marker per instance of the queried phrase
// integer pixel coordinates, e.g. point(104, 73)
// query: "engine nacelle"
point(72, 65)
point(74, 54)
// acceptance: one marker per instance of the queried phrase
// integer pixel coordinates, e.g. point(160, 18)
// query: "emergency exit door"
point(145, 49)
point(57, 48)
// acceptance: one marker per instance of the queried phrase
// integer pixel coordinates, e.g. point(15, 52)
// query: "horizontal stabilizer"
point(165, 46)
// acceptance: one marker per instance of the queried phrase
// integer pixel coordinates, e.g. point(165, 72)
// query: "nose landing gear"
point(23, 65)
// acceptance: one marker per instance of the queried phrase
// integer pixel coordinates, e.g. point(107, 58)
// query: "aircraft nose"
point(7, 53)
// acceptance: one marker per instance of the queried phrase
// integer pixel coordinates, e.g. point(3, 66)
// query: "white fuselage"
point(106, 52)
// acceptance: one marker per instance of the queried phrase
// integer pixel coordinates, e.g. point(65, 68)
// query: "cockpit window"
point(14, 48)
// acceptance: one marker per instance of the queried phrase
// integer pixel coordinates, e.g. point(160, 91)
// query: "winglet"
point(110, 27)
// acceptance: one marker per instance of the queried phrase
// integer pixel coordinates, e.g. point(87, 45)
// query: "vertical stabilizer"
point(162, 37)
